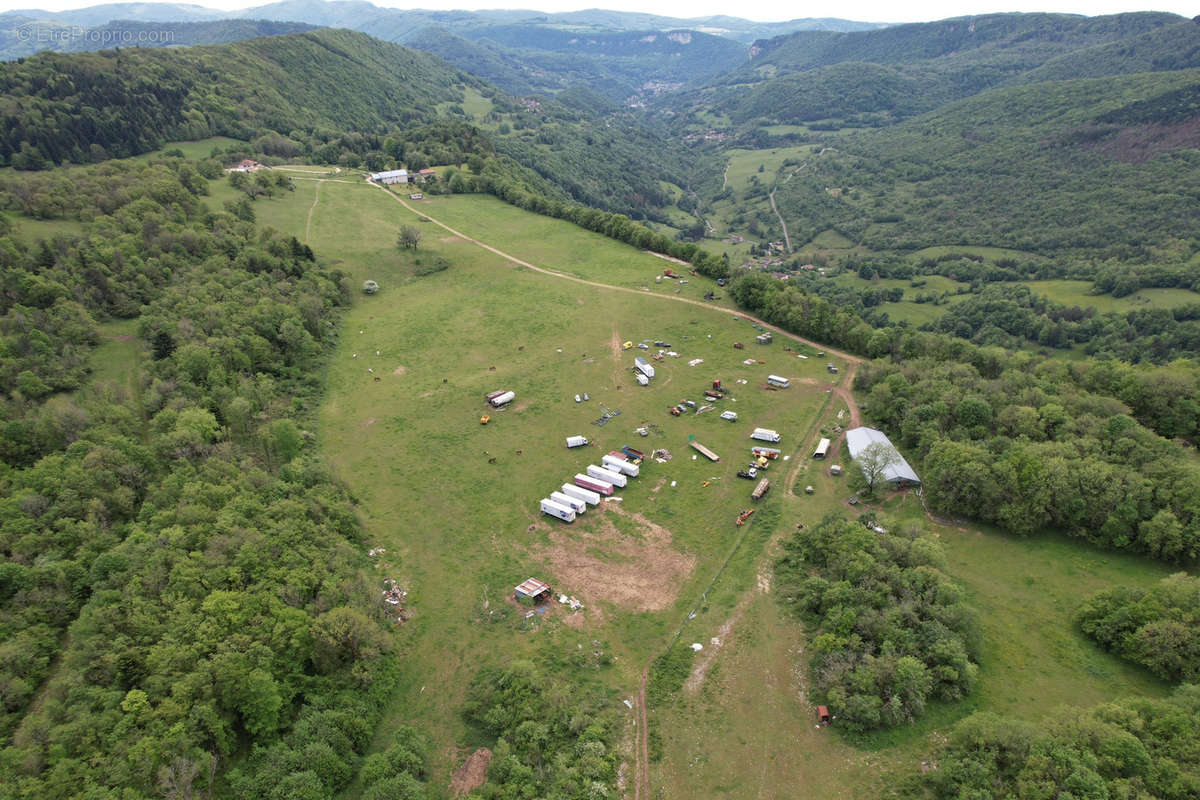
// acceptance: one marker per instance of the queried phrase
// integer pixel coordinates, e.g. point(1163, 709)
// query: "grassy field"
point(455, 503)
point(986, 253)
point(1076, 293)
point(30, 230)
point(197, 149)
point(460, 530)
point(118, 357)
point(745, 163)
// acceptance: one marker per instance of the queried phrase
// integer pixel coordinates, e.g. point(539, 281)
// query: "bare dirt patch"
point(448, 239)
point(641, 574)
point(400, 370)
point(123, 337)
point(368, 422)
point(472, 774)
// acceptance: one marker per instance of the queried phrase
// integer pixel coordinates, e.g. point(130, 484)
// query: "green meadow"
point(455, 503)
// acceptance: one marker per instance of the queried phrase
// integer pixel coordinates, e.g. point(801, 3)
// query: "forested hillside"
point(175, 559)
point(88, 107)
point(918, 67)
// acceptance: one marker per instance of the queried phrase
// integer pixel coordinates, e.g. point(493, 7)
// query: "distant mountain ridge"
point(393, 24)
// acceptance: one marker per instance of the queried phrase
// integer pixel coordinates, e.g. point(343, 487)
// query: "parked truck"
point(763, 487)
point(643, 366)
point(573, 503)
point(556, 510)
point(778, 381)
point(578, 492)
point(576, 441)
point(765, 435)
point(766, 452)
point(593, 484)
point(611, 476)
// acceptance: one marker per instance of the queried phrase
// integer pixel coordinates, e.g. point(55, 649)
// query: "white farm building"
point(391, 176)
point(898, 472)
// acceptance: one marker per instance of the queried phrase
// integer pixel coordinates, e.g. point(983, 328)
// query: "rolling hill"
point(893, 73)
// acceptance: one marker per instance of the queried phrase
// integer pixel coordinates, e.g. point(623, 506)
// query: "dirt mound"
point(473, 772)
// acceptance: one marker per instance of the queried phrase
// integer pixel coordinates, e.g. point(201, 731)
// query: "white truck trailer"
point(573, 503)
point(578, 492)
point(621, 465)
point(557, 510)
point(765, 435)
point(615, 478)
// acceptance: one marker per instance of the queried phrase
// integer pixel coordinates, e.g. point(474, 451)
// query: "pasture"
point(455, 503)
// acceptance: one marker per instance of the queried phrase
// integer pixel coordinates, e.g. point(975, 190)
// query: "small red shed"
point(823, 715)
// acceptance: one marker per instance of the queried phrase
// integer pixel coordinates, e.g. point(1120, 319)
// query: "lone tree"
point(409, 238)
point(873, 460)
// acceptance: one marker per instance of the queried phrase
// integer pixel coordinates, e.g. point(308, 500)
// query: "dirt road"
point(852, 359)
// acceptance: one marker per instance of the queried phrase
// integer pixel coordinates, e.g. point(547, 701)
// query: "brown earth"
point(473, 772)
point(642, 574)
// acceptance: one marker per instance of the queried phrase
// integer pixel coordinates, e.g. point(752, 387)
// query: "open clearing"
point(455, 502)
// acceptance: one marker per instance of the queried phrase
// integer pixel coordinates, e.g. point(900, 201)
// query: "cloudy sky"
point(765, 10)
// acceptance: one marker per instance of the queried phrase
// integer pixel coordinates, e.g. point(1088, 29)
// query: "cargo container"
point(729, 415)
point(504, 398)
point(632, 453)
point(586, 495)
point(576, 441)
point(776, 380)
point(493, 395)
point(557, 510)
point(704, 451)
point(641, 379)
point(609, 475)
point(765, 435)
point(643, 366)
point(573, 503)
point(594, 484)
point(763, 487)
point(822, 449)
point(620, 465)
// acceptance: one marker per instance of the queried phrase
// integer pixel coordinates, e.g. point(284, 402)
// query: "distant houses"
point(246, 165)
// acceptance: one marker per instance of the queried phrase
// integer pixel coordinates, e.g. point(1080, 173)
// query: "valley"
point(266, 531)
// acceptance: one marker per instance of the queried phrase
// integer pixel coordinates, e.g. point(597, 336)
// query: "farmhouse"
point(897, 473)
point(391, 176)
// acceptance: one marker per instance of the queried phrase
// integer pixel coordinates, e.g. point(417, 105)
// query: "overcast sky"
point(764, 10)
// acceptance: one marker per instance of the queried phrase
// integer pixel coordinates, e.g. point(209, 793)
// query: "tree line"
point(208, 569)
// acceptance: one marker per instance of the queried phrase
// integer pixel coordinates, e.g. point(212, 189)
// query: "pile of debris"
point(376, 552)
point(661, 455)
point(570, 601)
point(394, 596)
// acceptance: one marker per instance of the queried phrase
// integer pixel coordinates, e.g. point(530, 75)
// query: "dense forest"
point(891, 631)
point(174, 544)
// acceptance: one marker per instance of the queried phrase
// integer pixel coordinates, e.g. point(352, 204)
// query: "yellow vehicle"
point(627, 346)
point(485, 419)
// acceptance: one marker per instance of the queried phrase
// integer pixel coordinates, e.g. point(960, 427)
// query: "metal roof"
point(391, 173)
point(858, 439)
point(532, 587)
